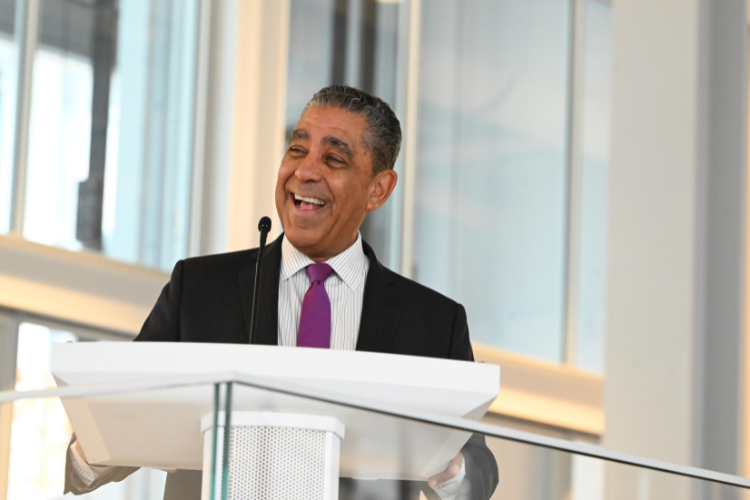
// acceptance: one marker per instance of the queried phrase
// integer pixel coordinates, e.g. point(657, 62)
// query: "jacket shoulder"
point(416, 292)
point(238, 259)
point(430, 324)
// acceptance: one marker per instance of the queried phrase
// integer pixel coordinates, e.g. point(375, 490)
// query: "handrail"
point(385, 409)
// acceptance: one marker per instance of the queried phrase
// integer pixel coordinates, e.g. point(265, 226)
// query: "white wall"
point(676, 226)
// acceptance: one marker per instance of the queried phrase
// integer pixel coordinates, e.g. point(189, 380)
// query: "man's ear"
point(383, 185)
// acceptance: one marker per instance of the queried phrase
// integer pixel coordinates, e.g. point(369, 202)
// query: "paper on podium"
point(161, 428)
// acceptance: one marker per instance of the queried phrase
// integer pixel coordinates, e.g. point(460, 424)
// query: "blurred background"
point(574, 172)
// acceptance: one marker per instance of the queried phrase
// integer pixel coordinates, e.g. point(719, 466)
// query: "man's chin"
point(304, 239)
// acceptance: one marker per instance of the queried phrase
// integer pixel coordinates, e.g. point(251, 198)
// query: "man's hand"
point(79, 449)
point(454, 467)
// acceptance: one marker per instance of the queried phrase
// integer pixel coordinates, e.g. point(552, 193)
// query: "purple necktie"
point(315, 320)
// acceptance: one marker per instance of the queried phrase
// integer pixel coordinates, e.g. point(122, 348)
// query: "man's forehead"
point(330, 120)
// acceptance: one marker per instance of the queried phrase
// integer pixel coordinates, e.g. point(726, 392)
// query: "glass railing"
point(291, 442)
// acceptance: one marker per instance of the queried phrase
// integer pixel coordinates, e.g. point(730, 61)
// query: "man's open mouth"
point(307, 202)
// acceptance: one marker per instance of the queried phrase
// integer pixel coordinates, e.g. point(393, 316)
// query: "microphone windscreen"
point(264, 224)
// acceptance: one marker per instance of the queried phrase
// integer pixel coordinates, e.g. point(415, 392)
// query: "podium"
point(170, 429)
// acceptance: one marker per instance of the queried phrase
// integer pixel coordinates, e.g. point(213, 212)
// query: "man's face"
point(326, 185)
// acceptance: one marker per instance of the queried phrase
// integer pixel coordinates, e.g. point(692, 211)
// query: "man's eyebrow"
point(299, 134)
point(338, 144)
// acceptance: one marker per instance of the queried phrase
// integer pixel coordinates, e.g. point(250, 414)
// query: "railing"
point(524, 465)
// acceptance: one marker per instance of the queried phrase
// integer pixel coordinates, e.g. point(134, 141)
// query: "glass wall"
point(110, 131)
point(40, 429)
point(491, 168)
point(8, 79)
point(343, 42)
point(111, 124)
point(493, 162)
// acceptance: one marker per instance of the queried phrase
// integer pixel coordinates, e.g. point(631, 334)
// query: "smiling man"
point(322, 285)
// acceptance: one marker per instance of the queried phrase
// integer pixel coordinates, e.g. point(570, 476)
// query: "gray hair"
point(383, 138)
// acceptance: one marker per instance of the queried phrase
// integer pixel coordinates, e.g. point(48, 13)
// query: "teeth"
point(314, 201)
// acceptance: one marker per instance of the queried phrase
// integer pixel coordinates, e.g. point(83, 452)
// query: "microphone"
point(264, 226)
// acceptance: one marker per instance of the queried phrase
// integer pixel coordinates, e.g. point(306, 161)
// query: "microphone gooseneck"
point(264, 226)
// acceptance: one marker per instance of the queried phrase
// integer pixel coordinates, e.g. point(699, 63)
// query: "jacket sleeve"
point(76, 485)
point(481, 470)
point(481, 467)
point(460, 344)
point(163, 324)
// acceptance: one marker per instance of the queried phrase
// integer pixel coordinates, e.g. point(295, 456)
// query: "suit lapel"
point(268, 306)
point(380, 309)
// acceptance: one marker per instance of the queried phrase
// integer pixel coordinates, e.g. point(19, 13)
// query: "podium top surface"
point(162, 429)
point(448, 387)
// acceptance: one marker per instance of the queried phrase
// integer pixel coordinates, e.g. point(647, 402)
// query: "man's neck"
point(319, 257)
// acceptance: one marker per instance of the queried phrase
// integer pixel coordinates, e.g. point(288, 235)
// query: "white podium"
point(164, 429)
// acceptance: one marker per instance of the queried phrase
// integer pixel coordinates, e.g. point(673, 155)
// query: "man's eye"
point(295, 149)
point(334, 159)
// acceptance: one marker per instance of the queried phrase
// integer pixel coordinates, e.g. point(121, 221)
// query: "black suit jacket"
point(209, 299)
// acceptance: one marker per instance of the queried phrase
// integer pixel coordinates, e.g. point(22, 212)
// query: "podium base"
point(274, 456)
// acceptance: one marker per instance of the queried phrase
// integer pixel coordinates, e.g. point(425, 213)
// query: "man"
point(323, 286)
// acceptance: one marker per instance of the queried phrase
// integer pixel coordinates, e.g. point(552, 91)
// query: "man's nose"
point(310, 170)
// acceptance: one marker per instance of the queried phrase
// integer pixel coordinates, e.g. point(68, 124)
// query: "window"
point(110, 129)
point(40, 430)
point(361, 43)
point(493, 223)
point(491, 169)
point(8, 80)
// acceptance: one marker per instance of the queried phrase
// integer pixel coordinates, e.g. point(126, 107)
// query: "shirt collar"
point(345, 264)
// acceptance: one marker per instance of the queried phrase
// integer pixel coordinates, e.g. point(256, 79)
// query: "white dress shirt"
point(345, 287)
point(346, 290)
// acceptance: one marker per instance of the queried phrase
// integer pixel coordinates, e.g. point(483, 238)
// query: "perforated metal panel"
point(276, 463)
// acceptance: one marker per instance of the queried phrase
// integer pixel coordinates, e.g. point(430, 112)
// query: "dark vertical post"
point(367, 45)
point(91, 191)
point(338, 53)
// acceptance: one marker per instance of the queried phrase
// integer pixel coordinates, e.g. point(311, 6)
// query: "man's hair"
point(383, 137)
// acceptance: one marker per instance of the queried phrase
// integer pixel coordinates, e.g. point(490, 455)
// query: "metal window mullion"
point(27, 36)
point(410, 138)
point(353, 43)
point(396, 214)
point(574, 169)
point(203, 48)
point(8, 348)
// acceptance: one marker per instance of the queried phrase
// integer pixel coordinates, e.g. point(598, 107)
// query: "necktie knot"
point(319, 272)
